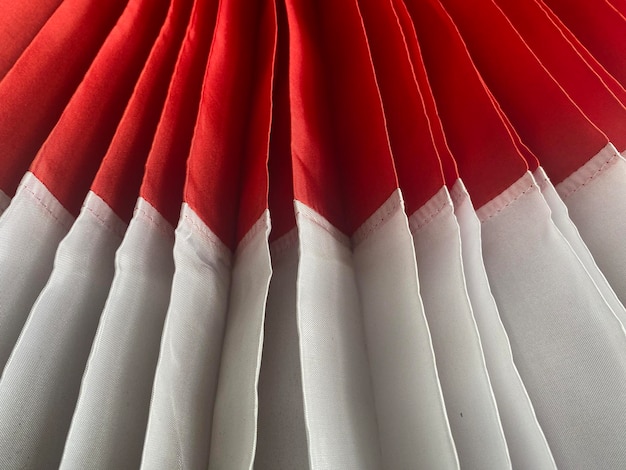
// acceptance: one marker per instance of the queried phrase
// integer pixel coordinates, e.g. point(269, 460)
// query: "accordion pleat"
point(290, 234)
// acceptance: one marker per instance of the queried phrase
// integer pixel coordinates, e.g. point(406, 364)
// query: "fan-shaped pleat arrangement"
point(289, 234)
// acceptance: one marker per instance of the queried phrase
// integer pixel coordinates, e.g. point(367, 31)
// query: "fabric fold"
point(559, 326)
point(109, 423)
point(46, 366)
point(525, 439)
point(467, 392)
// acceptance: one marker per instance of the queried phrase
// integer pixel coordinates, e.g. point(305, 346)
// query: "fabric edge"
point(506, 198)
point(429, 211)
point(36, 189)
point(599, 163)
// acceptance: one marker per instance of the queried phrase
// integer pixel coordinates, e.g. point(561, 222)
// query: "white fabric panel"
point(181, 411)
point(338, 400)
point(467, 392)
point(561, 219)
point(282, 441)
point(234, 432)
point(30, 231)
point(109, 424)
point(412, 422)
point(568, 345)
point(41, 380)
point(525, 439)
point(595, 196)
point(4, 201)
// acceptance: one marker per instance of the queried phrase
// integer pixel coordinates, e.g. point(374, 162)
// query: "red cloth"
point(226, 183)
point(38, 87)
point(342, 162)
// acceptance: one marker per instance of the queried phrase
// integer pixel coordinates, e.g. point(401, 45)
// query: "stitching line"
point(509, 203)
point(369, 228)
point(207, 236)
point(43, 204)
point(593, 175)
point(457, 195)
point(325, 225)
point(165, 230)
point(111, 227)
point(426, 221)
point(259, 226)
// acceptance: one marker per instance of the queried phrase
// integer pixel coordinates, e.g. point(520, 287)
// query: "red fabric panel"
point(341, 158)
point(36, 90)
point(608, 79)
point(546, 119)
point(280, 171)
point(166, 167)
point(600, 28)
point(417, 162)
point(487, 159)
point(448, 164)
point(569, 68)
point(120, 175)
point(70, 157)
point(231, 140)
point(20, 21)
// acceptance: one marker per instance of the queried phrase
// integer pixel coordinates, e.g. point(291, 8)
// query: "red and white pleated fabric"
point(282, 435)
point(437, 249)
point(555, 315)
point(55, 342)
point(525, 440)
point(371, 397)
point(56, 183)
point(121, 365)
point(203, 408)
point(271, 234)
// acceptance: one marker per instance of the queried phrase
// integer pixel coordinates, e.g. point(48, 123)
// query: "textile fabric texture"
point(280, 234)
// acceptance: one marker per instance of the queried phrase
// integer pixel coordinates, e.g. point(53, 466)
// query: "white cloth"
point(568, 345)
point(339, 409)
point(371, 393)
point(30, 231)
point(595, 196)
point(41, 380)
point(525, 439)
point(282, 441)
point(181, 411)
point(109, 423)
point(467, 392)
point(412, 423)
point(234, 433)
point(560, 217)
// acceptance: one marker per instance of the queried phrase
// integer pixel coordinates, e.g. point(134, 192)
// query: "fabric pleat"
point(30, 229)
point(121, 365)
point(566, 323)
point(467, 391)
point(49, 357)
point(282, 435)
point(525, 439)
